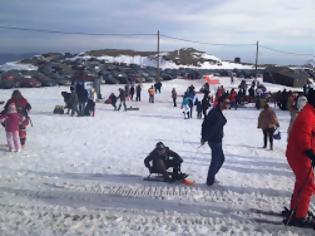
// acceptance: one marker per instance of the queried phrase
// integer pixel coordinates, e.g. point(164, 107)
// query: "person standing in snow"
point(82, 94)
point(90, 107)
point(151, 94)
point(300, 154)
point(23, 107)
point(174, 97)
point(205, 102)
point(199, 109)
point(132, 92)
point(212, 132)
point(233, 99)
point(12, 119)
point(158, 86)
point(185, 106)
point(138, 93)
point(122, 99)
point(268, 122)
point(73, 102)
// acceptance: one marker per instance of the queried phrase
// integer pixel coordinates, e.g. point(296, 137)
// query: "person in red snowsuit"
point(300, 154)
point(23, 107)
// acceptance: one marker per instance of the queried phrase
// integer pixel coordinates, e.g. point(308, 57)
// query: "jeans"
point(217, 161)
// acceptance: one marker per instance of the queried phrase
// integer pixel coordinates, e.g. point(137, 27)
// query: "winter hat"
point(160, 145)
point(12, 108)
point(300, 103)
point(311, 97)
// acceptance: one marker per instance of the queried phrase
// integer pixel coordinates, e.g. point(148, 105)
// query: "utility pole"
point(158, 57)
point(256, 61)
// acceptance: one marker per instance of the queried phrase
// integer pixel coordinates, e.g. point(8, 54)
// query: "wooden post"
point(158, 57)
point(256, 61)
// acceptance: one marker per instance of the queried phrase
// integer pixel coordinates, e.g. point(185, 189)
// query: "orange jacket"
point(151, 91)
point(302, 137)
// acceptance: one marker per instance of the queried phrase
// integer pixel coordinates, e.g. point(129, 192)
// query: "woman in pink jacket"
point(12, 120)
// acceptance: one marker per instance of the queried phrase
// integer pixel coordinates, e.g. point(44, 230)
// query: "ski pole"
point(298, 199)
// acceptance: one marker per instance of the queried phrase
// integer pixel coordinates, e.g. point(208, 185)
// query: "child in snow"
point(185, 106)
point(12, 119)
point(90, 107)
point(23, 107)
point(199, 109)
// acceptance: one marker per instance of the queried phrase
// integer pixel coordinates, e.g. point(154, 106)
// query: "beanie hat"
point(160, 145)
point(12, 108)
point(311, 97)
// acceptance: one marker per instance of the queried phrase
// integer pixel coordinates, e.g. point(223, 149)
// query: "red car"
point(28, 83)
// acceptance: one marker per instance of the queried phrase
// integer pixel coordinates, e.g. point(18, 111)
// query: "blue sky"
point(286, 25)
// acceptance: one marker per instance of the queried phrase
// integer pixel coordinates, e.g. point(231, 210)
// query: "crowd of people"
point(80, 101)
point(300, 151)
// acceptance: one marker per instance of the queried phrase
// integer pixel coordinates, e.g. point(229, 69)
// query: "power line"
point(67, 32)
point(207, 43)
point(286, 52)
point(146, 34)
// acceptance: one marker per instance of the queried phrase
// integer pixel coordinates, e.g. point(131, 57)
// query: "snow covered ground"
point(84, 175)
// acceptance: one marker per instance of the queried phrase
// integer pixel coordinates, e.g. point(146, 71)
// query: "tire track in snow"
point(65, 220)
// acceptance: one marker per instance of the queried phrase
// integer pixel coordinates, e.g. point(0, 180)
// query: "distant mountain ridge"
point(184, 57)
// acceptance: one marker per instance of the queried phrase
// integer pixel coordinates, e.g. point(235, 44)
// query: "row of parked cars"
point(54, 73)
point(29, 79)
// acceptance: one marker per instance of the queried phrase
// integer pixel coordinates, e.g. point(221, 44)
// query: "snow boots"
point(306, 222)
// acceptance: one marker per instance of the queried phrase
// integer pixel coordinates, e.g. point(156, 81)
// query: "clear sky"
point(286, 25)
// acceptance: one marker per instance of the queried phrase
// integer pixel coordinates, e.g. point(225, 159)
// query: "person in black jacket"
point(138, 93)
point(122, 99)
point(162, 158)
point(212, 132)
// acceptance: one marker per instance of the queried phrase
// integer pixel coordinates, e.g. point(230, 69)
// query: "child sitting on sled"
point(162, 158)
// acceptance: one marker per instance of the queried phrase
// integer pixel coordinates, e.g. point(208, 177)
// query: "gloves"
point(310, 154)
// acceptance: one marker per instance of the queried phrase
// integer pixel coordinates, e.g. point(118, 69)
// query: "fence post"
point(158, 57)
point(256, 61)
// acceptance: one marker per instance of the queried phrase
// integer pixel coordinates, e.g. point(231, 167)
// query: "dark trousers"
point(174, 102)
point(138, 97)
point(217, 161)
point(161, 166)
point(81, 108)
point(268, 134)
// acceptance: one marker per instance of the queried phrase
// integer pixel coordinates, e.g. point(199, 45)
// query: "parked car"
point(7, 84)
point(28, 83)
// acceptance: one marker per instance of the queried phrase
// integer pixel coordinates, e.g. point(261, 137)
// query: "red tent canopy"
point(211, 80)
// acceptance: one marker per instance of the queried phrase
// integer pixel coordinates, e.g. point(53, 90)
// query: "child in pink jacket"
point(12, 120)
